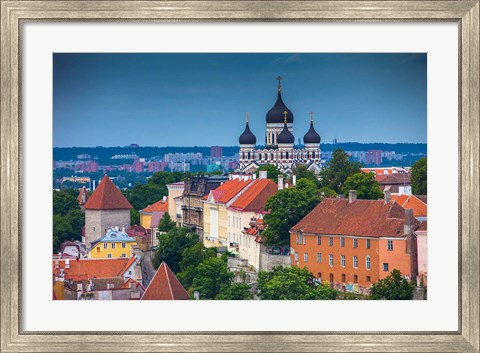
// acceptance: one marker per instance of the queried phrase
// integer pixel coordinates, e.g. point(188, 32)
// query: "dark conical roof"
point(285, 136)
point(275, 115)
point(247, 138)
point(311, 136)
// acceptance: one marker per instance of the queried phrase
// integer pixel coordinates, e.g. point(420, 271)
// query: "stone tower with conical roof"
point(106, 208)
point(279, 148)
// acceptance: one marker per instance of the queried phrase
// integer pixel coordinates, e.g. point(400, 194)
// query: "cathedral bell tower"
point(275, 119)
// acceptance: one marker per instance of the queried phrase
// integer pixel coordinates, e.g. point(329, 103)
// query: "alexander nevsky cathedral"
point(279, 147)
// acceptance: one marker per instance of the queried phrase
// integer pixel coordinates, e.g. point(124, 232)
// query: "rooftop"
point(368, 218)
point(255, 197)
point(107, 197)
point(165, 286)
point(84, 269)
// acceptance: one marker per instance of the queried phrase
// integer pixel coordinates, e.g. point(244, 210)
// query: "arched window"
point(248, 155)
point(273, 139)
point(286, 155)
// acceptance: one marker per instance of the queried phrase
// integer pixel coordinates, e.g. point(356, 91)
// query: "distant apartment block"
point(84, 156)
point(216, 152)
point(374, 157)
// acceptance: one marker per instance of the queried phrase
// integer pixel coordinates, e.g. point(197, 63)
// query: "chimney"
point(280, 182)
point(387, 196)
point(196, 295)
point(352, 196)
point(294, 180)
point(262, 174)
point(254, 176)
point(409, 220)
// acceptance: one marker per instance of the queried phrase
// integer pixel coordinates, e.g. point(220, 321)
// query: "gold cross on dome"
point(279, 78)
point(285, 115)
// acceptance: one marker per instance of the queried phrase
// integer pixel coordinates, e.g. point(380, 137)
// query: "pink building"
point(137, 167)
point(156, 166)
point(216, 151)
point(422, 251)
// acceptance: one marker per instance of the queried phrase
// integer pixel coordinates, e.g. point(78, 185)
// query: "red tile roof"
point(85, 269)
point(82, 197)
point(411, 201)
point(165, 286)
point(107, 197)
point(228, 190)
point(255, 197)
point(372, 218)
point(159, 206)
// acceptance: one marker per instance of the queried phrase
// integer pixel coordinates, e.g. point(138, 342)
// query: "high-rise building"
point(216, 152)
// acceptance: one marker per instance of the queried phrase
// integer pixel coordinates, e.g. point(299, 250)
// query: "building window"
point(367, 262)
point(113, 245)
point(229, 221)
point(355, 279)
point(390, 245)
point(330, 259)
point(342, 242)
point(105, 245)
point(319, 257)
point(296, 257)
point(319, 240)
point(305, 257)
point(355, 262)
point(344, 278)
point(367, 243)
point(385, 267)
point(98, 249)
point(304, 240)
point(330, 241)
point(124, 245)
point(369, 279)
point(342, 261)
point(296, 239)
point(124, 255)
point(355, 243)
point(109, 256)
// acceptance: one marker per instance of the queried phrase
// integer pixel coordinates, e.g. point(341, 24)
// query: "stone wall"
point(98, 221)
point(269, 261)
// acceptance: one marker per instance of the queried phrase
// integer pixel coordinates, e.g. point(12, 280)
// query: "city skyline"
point(201, 99)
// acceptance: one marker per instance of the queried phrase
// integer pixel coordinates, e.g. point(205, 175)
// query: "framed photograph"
point(63, 61)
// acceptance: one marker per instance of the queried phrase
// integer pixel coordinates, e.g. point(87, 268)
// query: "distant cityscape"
point(77, 165)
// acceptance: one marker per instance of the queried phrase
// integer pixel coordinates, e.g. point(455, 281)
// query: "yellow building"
point(113, 244)
point(215, 211)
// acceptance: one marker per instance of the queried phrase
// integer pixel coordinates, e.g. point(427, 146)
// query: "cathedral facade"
point(279, 149)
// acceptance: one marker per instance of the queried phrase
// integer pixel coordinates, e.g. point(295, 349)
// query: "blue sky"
point(201, 99)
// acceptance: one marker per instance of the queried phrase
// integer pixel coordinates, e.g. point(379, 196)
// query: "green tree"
point(292, 283)
point(287, 207)
point(365, 184)
point(171, 246)
point(166, 224)
point(236, 291)
point(212, 275)
point(301, 172)
point(419, 177)
point(191, 258)
point(62, 230)
point(272, 171)
point(64, 201)
point(393, 287)
point(134, 217)
point(337, 170)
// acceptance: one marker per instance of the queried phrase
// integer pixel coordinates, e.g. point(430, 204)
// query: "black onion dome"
point(247, 138)
point(285, 136)
point(275, 115)
point(311, 136)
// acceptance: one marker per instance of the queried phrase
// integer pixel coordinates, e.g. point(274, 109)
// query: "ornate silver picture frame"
point(464, 13)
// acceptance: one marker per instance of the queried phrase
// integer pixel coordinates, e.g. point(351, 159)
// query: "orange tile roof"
point(372, 218)
point(256, 196)
point(159, 206)
point(82, 197)
point(411, 201)
point(165, 286)
point(85, 269)
point(229, 190)
point(107, 197)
